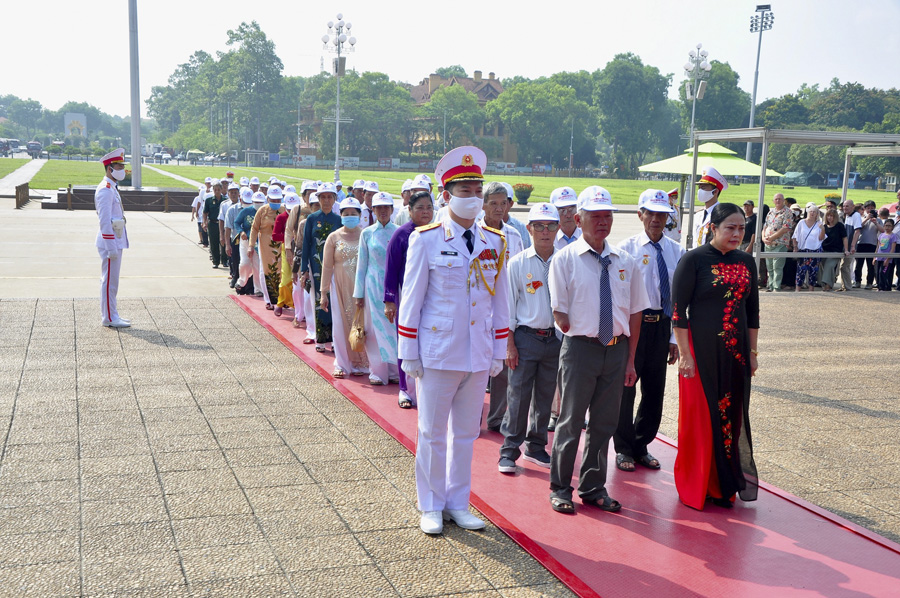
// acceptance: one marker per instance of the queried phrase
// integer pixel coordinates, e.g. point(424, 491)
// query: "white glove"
point(413, 367)
point(496, 367)
point(112, 255)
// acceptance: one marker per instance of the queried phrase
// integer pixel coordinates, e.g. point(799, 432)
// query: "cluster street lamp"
point(696, 70)
point(762, 21)
point(338, 38)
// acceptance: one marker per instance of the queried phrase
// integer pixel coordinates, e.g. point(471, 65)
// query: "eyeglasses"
point(539, 228)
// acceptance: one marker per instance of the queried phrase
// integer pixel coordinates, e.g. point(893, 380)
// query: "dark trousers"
point(789, 272)
point(204, 237)
point(531, 385)
point(498, 390)
point(235, 260)
point(591, 380)
point(885, 275)
point(216, 249)
point(870, 268)
point(634, 433)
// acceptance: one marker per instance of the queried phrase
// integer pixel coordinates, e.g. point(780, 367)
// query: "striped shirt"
point(529, 293)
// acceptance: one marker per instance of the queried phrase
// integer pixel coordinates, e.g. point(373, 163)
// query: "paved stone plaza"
point(193, 454)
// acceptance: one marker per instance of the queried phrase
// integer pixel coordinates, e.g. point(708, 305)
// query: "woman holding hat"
point(381, 335)
point(716, 319)
point(339, 261)
point(808, 236)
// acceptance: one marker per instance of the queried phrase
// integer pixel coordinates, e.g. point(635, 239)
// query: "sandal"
point(320, 349)
point(269, 306)
point(404, 403)
point(649, 461)
point(562, 505)
point(604, 504)
point(308, 341)
point(338, 373)
point(624, 462)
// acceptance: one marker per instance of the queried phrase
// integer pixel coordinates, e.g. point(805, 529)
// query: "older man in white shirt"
point(656, 256)
point(597, 295)
point(566, 202)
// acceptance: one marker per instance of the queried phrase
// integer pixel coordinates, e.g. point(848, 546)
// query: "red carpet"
point(777, 546)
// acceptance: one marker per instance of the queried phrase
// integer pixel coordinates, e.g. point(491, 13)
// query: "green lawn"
point(7, 165)
point(60, 173)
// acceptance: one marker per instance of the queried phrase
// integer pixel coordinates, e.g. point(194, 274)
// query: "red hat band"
point(710, 181)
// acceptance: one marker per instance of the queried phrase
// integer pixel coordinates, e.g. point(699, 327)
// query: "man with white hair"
point(515, 222)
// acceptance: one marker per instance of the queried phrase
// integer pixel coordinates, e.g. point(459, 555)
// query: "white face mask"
point(704, 195)
point(118, 174)
point(466, 208)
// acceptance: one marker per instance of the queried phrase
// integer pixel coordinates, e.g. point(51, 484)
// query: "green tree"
point(451, 71)
point(194, 136)
point(464, 116)
point(724, 104)
point(783, 113)
point(541, 119)
point(878, 164)
point(629, 97)
point(848, 105)
point(26, 114)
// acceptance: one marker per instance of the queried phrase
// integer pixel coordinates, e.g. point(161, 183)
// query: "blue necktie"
point(605, 333)
point(665, 292)
point(470, 242)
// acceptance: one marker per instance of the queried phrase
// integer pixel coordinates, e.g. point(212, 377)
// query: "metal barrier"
point(22, 194)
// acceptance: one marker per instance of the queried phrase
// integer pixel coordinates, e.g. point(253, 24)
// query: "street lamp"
point(697, 70)
point(759, 22)
point(338, 39)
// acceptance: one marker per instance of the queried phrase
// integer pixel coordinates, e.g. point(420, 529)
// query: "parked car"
point(34, 148)
point(13, 146)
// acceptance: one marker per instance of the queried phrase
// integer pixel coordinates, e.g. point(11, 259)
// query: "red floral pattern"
point(727, 437)
point(736, 280)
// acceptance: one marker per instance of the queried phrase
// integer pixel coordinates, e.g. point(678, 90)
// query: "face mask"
point(350, 221)
point(274, 206)
point(466, 207)
point(704, 195)
point(118, 174)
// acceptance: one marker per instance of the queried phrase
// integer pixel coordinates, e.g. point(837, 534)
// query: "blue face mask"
point(350, 221)
point(274, 206)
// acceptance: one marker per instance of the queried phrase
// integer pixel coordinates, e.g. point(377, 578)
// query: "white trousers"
point(449, 409)
point(297, 296)
point(109, 288)
point(248, 267)
point(309, 310)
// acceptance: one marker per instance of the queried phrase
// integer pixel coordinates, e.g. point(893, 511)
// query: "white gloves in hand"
point(413, 367)
point(112, 255)
point(496, 367)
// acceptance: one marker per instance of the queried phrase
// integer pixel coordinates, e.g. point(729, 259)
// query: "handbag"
point(358, 333)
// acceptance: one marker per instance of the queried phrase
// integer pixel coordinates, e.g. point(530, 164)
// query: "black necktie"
point(470, 242)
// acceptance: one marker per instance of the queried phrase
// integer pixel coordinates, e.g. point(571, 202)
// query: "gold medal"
point(621, 274)
point(528, 276)
point(646, 260)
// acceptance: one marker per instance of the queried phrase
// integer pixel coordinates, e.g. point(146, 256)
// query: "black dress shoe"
point(551, 426)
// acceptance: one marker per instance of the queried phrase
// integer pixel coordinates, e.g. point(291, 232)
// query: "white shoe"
point(118, 323)
point(463, 518)
point(431, 522)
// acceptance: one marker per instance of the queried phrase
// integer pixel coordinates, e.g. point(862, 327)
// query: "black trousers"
point(216, 249)
point(204, 237)
point(870, 269)
point(634, 433)
point(235, 259)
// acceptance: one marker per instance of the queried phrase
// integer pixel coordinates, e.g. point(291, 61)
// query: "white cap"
point(259, 197)
point(215, 182)
point(244, 181)
point(543, 211)
point(350, 202)
point(233, 186)
point(275, 193)
point(371, 186)
point(290, 200)
point(338, 183)
point(382, 199)
point(326, 188)
point(282, 184)
point(273, 179)
point(290, 189)
point(422, 181)
point(509, 190)
point(563, 197)
point(308, 186)
point(246, 195)
point(265, 184)
point(358, 184)
point(208, 180)
point(594, 199)
point(406, 186)
point(655, 200)
point(313, 198)
point(254, 181)
point(713, 177)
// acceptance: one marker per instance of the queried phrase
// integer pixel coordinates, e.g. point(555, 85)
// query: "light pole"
point(135, 95)
point(338, 40)
point(759, 22)
point(572, 148)
point(697, 70)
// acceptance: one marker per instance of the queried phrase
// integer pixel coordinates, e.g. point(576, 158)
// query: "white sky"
point(56, 51)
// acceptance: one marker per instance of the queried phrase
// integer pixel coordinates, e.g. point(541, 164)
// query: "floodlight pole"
point(135, 96)
point(338, 39)
point(761, 22)
point(697, 68)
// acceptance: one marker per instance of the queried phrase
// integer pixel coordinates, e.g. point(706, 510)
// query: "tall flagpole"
point(135, 96)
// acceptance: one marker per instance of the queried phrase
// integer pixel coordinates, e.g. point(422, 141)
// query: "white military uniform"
point(110, 243)
point(454, 317)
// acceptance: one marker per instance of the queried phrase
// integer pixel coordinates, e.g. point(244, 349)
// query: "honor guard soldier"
point(709, 187)
point(453, 329)
point(657, 256)
point(112, 237)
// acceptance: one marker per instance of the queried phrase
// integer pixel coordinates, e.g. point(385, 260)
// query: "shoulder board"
point(432, 226)
point(493, 230)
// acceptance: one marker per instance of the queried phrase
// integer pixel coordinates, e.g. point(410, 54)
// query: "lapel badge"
point(528, 276)
point(621, 274)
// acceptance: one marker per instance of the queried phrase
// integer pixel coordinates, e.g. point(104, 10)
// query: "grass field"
point(59, 173)
point(7, 165)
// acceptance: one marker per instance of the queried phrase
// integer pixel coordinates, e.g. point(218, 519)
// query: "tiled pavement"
point(194, 455)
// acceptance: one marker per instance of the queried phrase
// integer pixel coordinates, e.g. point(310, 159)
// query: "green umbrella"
point(710, 154)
